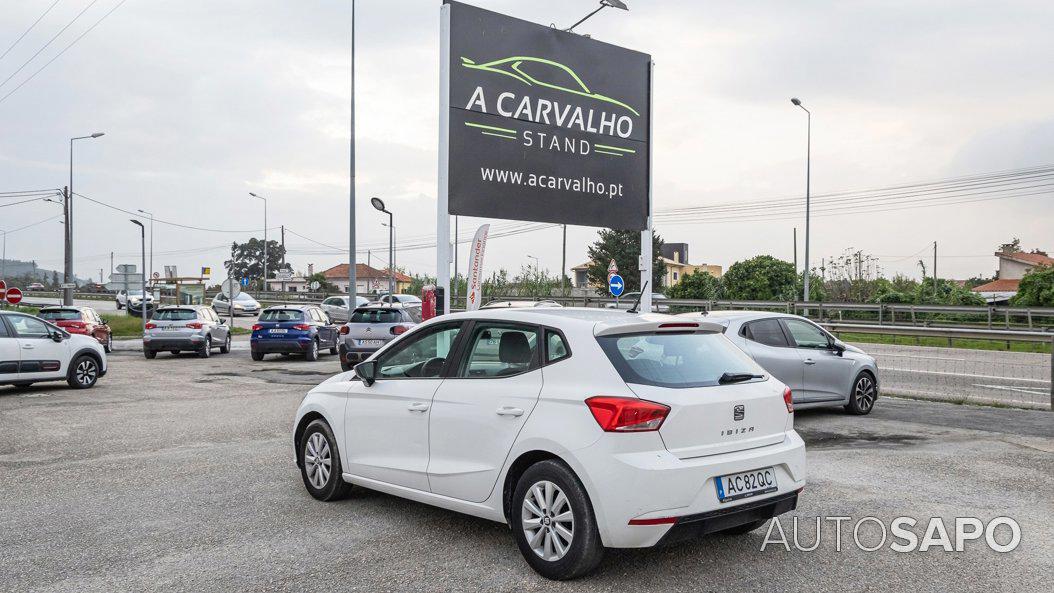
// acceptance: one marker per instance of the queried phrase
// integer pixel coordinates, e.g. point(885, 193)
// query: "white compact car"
point(582, 429)
point(33, 350)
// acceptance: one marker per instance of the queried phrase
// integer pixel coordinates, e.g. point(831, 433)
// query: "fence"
point(1020, 379)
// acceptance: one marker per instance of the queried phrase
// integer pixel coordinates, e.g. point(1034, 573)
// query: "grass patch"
point(126, 326)
point(1039, 347)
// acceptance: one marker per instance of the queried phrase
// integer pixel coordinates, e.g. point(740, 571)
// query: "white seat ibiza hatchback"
point(581, 429)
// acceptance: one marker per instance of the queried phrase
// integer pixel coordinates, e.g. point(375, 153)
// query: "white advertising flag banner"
point(475, 268)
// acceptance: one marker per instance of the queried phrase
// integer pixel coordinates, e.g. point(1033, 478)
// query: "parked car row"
point(33, 350)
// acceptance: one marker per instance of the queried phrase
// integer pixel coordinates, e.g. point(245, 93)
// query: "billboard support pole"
point(442, 197)
point(646, 236)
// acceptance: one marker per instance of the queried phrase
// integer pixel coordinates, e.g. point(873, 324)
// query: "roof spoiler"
point(658, 325)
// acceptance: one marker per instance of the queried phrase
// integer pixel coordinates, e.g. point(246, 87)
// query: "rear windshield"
point(243, 297)
point(377, 316)
point(676, 360)
point(61, 315)
point(282, 315)
point(176, 315)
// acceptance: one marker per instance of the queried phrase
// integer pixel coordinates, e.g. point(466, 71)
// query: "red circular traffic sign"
point(3, 285)
point(14, 296)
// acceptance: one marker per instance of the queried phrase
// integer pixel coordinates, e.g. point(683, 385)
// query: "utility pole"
point(454, 284)
point(67, 268)
point(111, 263)
point(351, 179)
point(283, 258)
point(100, 275)
point(795, 251)
point(808, 170)
point(935, 271)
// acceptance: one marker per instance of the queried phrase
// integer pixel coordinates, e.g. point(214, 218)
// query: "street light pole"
point(67, 293)
point(264, 287)
point(808, 167)
point(351, 181)
point(151, 215)
point(143, 303)
point(379, 205)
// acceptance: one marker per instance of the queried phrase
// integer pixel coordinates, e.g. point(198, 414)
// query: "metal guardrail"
point(953, 334)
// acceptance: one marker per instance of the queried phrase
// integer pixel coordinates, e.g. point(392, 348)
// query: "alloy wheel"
point(864, 393)
point(86, 372)
point(547, 521)
point(318, 460)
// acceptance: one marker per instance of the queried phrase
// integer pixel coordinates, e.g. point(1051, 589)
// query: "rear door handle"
point(508, 411)
point(27, 346)
point(418, 407)
point(810, 361)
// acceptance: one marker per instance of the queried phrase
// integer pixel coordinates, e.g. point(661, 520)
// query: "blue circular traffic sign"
point(245, 282)
point(616, 286)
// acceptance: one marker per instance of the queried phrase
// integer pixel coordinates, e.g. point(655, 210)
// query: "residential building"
point(674, 255)
point(1013, 265)
point(368, 280)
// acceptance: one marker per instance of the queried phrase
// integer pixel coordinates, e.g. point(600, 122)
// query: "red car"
point(80, 320)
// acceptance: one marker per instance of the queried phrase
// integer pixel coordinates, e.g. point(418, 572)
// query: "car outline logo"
point(517, 73)
point(739, 412)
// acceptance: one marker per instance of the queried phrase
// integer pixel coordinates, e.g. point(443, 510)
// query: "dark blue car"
point(293, 329)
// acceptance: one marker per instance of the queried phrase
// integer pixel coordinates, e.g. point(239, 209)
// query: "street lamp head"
point(796, 101)
point(254, 195)
point(614, 4)
point(378, 204)
point(97, 134)
point(137, 223)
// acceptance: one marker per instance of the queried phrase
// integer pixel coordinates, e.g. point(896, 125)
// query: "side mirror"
point(367, 371)
point(223, 322)
point(837, 347)
point(57, 336)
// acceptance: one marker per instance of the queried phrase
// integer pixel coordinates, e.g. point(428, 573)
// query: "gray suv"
point(186, 328)
point(371, 327)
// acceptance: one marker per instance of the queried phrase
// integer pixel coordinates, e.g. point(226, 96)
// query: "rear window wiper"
point(738, 377)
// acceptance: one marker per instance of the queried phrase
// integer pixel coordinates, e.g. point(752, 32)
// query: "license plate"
point(279, 331)
point(746, 484)
point(370, 342)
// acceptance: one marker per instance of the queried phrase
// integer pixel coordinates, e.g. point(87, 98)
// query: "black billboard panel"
point(545, 125)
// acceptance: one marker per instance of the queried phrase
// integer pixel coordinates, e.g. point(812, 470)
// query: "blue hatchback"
point(293, 329)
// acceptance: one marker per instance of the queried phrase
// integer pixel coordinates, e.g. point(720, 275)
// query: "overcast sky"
point(205, 101)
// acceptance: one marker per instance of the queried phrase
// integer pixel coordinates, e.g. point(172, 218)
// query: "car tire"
point(863, 395)
point(174, 352)
point(743, 529)
point(551, 488)
point(333, 350)
point(108, 346)
point(312, 351)
point(257, 356)
point(83, 372)
point(150, 354)
point(118, 303)
point(320, 465)
point(346, 366)
point(206, 348)
point(21, 385)
point(226, 347)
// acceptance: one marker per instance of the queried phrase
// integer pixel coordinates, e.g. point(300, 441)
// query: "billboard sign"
point(545, 125)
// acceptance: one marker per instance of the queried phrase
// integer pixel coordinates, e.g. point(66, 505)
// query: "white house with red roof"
point(1013, 265)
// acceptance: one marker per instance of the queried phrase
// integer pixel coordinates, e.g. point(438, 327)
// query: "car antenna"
point(633, 309)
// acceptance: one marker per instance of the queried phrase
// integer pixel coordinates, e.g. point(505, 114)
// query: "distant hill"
point(28, 270)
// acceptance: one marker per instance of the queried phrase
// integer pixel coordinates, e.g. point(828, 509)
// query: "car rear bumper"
point(193, 342)
point(277, 346)
point(355, 355)
point(677, 498)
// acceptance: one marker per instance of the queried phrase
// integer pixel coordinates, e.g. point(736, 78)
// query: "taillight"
point(257, 327)
point(398, 330)
point(678, 326)
point(76, 324)
point(623, 414)
point(194, 325)
point(302, 327)
point(151, 326)
point(344, 330)
point(788, 399)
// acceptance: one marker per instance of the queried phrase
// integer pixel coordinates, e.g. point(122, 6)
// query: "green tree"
point(1036, 288)
point(697, 285)
point(323, 284)
point(623, 247)
point(761, 278)
point(247, 259)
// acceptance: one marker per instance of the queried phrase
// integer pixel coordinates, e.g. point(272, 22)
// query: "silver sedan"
point(820, 369)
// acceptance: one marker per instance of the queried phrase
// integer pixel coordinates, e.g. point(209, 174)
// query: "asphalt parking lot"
point(177, 474)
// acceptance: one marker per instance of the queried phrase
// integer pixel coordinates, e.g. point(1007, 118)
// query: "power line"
point(170, 223)
point(8, 50)
point(45, 46)
point(58, 55)
point(22, 228)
